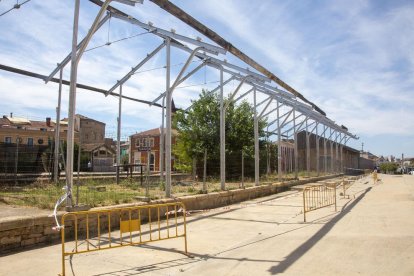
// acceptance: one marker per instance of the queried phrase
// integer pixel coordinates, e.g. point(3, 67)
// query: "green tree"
point(388, 167)
point(199, 129)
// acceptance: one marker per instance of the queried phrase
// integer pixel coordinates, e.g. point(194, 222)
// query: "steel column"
point(307, 149)
point(317, 149)
point(168, 99)
point(222, 136)
point(72, 103)
point(279, 147)
point(256, 142)
point(57, 131)
point(162, 141)
point(295, 135)
point(118, 142)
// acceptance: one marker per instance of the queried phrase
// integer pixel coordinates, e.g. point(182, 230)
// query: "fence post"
point(304, 205)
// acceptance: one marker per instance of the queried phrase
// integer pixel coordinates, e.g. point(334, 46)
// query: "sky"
point(354, 59)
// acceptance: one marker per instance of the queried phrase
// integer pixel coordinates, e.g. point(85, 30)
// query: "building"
point(100, 151)
point(329, 160)
point(146, 145)
point(22, 139)
point(19, 130)
point(26, 145)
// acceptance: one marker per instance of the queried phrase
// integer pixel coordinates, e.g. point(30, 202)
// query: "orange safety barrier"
point(88, 231)
point(318, 196)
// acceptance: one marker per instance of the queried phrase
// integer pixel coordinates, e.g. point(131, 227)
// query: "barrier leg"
point(63, 250)
point(185, 230)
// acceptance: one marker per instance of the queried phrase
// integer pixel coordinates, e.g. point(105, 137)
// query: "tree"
point(199, 129)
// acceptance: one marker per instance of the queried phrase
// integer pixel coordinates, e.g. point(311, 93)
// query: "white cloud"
point(354, 59)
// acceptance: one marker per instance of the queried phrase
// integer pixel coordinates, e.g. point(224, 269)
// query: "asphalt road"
point(372, 233)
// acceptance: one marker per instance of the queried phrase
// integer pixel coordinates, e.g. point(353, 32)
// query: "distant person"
point(375, 176)
point(89, 166)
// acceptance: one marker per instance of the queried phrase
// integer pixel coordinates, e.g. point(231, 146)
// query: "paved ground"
point(371, 234)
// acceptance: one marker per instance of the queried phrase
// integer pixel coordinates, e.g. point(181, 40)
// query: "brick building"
point(146, 145)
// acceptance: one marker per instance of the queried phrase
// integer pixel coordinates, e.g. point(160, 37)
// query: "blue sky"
point(354, 59)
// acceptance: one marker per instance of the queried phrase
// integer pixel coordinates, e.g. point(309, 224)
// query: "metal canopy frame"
point(262, 81)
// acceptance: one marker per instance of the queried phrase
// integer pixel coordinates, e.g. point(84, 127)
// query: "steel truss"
point(299, 115)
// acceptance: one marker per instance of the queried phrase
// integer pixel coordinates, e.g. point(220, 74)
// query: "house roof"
point(94, 146)
point(87, 118)
point(154, 132)
point(4, 121)
point(18, 121)
point(40, 124)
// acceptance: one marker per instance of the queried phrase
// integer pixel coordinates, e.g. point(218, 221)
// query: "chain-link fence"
point(26, 179)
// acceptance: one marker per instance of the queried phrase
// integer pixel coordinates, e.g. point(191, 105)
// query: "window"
point(40, 141)
point(8, 140)
point(30, 142)
point(151, 142)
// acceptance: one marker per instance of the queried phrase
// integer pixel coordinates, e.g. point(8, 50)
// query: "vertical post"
point(194, 169)
point(148, 171)
point(205, 171)
point(295, 135)
point(307, 150)
point(118, 142)
point(279, 147)
point(222, 136)
point(168, 123)
point(256, 141)
point(72, 103)
point(342, 156)
point(332, 155)
point(268, 169)
point(325, 159)
point(317, 149)
point(78, 176)
point(162, 139)
point(337, 151)
point(57, 132)
point(16, 159)
point(242, 169)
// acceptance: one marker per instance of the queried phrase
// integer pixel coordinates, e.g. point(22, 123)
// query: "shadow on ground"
point(305, 247)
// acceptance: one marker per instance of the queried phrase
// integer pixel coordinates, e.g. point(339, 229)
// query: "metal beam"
point(66, 82)
point(189, 74)
point(223, 63)
point(134, 69)
point(243, 95)
point(172, 35)
point(191, 21)
point(66, 60)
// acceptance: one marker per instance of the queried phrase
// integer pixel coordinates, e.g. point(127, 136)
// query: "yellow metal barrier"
point(346, 184)
point(318, 196)
point(90, 231)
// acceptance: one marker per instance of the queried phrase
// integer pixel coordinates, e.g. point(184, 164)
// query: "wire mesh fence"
point(26, 179)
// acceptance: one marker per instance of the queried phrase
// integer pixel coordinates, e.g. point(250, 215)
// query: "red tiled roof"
point(153, 132)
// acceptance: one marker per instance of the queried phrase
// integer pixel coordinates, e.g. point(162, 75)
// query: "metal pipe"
point(168, 99)
point(57, 130)
point(317, 149)
point(118, 142)
point(256, 142)
point(222, 135)
point(162, 140)
point(72, 104)
point(134, 69)
point(279, 147)
point(296, 143)
point(66, 60)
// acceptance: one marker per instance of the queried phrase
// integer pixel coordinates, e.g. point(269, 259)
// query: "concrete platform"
point(371, 234)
